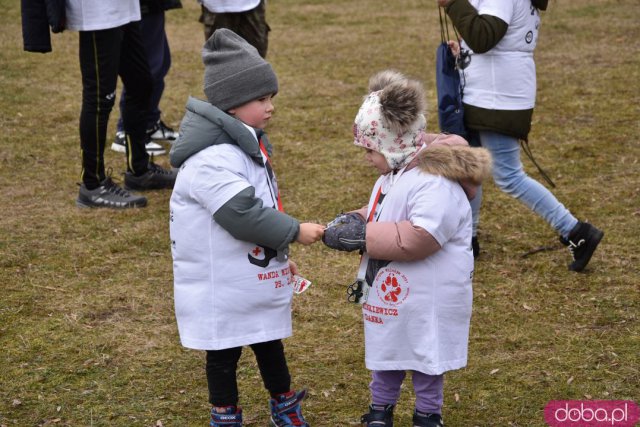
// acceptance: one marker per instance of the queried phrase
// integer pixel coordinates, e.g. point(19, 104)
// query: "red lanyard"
point(375, 205)
point(271, 174)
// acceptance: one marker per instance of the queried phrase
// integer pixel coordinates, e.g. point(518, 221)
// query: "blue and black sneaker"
point(286, 411)
point(231, 417)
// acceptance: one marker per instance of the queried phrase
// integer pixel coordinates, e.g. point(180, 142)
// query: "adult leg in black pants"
point(105, 54)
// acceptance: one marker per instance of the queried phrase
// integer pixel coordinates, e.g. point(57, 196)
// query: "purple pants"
point(385, 389)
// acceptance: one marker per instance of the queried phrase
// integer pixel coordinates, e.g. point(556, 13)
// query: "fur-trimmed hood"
point(450, 156)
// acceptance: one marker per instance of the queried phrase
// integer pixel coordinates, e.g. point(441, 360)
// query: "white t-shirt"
point(224, 6)
point(91, 15)
point(227, 292)
point(417, 314)
point(505, 77)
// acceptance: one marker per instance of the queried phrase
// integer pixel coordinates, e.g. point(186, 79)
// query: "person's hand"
point(443, 3)
point(293, 267)
point(309, 233)
point(455, 47)
point(346, 233)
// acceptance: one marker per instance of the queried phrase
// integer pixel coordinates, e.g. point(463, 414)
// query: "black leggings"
point(222, 366)
point(105, 55)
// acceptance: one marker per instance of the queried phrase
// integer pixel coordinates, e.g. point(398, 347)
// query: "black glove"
point(346, 233)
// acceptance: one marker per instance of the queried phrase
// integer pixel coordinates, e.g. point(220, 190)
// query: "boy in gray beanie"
point(234, 72)
point(230, 236)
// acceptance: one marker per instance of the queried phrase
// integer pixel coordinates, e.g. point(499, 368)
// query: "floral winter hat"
point(391, 120)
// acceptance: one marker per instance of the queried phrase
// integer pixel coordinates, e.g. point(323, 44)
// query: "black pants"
point(105, 55)
point(158, 54)
point(222, 366)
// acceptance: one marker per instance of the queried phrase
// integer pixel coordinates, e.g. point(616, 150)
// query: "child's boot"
point(231, 417)
point(286, 411)
point(421, 419)
point(378, 416)
point(583, 241)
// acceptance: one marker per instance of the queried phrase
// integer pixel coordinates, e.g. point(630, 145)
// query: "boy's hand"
point(309, 233)
point(293, 267)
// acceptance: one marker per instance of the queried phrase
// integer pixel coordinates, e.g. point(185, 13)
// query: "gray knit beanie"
point(234, 72)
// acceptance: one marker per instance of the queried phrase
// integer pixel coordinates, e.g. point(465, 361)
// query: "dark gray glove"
point(346, 233)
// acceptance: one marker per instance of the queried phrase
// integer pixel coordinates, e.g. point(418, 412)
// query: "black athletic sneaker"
point(421, 419)
point(583, 241)
point(109, 195)
point(120, 142)
point(155, 178)
point(378, 416)
point(162, 132)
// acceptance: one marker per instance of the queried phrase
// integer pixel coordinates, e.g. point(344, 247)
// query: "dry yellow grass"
point(87, 333)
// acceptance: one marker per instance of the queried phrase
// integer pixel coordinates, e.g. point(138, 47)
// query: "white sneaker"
point(119, 145)
point(162, 132)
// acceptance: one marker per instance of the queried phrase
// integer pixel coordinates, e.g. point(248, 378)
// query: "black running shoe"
point(155, 178)
point(109, 195)
point(583, 241)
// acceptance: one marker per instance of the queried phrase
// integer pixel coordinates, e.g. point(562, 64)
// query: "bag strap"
point(444, 27)
point(527, 150)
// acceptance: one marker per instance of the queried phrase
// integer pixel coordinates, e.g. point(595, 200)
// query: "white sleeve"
point(216, 182)
point(502, 9)
point(434, 208)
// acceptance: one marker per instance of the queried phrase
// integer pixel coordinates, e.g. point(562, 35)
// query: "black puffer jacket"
point(37, 17)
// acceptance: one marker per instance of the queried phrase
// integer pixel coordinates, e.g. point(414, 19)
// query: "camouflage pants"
point(250, 25)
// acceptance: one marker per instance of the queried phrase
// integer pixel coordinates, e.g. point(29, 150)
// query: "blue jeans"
point(511, 178)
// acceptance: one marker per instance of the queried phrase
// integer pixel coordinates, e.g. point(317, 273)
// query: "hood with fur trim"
point(450, 156)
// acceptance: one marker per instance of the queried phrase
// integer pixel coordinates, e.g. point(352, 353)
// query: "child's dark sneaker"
point(583, 241)
point(378, 416)
point(155, 178)
point(421, 419)
point(231, 417)
point(286, 411)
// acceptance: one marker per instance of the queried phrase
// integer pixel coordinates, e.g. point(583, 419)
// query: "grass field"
point(87, 331)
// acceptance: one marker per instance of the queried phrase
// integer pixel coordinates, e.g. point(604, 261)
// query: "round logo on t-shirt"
point(392, 286)
point(529, 37)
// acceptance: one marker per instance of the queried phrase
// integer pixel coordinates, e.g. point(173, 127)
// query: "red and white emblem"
point(392, 286)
